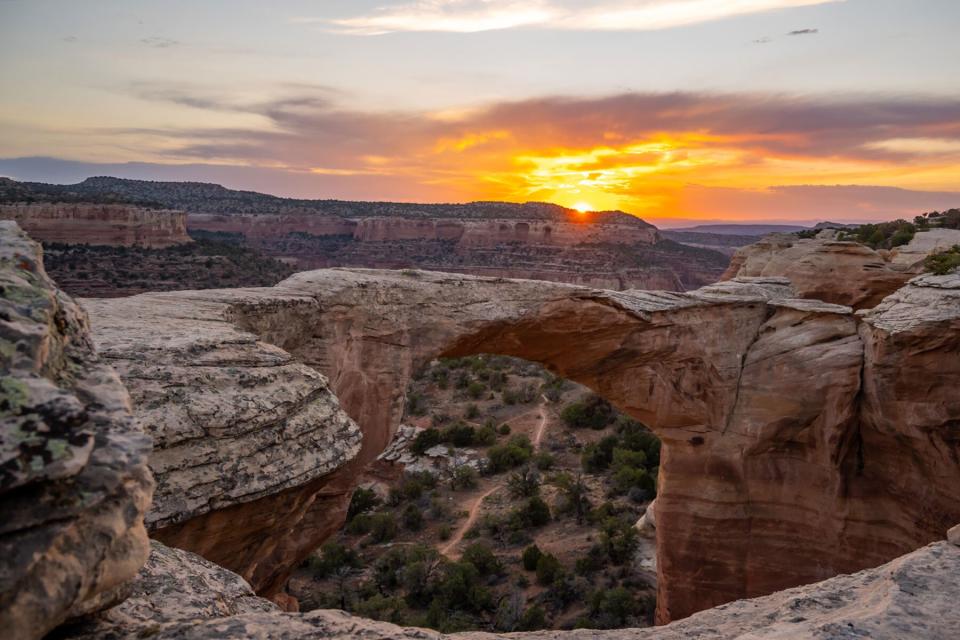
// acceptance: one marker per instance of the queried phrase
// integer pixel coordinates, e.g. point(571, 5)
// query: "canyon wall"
point(612, 252)
point(800, 439)
point(102, 224)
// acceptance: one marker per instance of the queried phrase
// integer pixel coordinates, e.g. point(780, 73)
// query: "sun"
point(583, 207)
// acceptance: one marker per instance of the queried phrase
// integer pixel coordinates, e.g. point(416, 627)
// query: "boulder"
point(74, 482)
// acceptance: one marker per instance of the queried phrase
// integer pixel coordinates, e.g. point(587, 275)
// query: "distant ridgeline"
point(204, 197)
point(534, 240)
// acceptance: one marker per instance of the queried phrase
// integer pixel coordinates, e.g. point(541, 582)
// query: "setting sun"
point(582, 207)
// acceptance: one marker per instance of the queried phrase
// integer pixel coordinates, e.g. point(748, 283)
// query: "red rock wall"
point(103, 224)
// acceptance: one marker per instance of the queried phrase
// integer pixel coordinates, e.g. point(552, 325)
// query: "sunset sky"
point(674, 110)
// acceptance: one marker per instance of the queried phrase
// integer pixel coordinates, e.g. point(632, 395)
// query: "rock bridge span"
point(800, 440)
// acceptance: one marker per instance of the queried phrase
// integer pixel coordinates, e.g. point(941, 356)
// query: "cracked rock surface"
point(74, 483)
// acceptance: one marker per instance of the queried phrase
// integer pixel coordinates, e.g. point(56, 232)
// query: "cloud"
point(466, 16)
point(803, 32)
point(159, 42)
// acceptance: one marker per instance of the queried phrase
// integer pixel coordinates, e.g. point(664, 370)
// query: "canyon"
point(605, 249)
point(801, 438)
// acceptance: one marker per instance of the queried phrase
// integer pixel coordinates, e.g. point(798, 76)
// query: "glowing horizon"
point(666, 109)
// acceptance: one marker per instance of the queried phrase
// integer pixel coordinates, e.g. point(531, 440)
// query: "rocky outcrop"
point(74, 483)
point(836, 271)
point(243, 432)
point(178, 595)
point(116, 225)
point(772, 410)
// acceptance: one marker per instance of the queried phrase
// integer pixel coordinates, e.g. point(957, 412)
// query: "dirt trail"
point(471, 518)
point(542, 427)
point(474, 511)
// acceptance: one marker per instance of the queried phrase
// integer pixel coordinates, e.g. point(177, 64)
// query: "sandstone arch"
point(797, 443)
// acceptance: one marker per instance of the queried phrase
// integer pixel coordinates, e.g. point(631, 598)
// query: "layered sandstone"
point(74, 483)
point(770, 408)
point(178, 595)
point(841, 272)
point(118, 225)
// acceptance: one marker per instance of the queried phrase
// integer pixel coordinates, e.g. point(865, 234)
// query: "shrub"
point(412, 518)
point(524, 483)
point(483, 558)
point(476, 389)
point(485, 436)
point(530, 557)
point(943, 263)
point(544, 461)
point(426, 439)
point(460, 435)
point(593, 412)
point(416, 404)
point(504, 429)
point(511, 454)
point(548, 569)
point(383, 527)
point(444, 532)
point(612, 608)
point(334, 557)
point(472, 411)
point(464, 477)
point(534, 618)
point(596, 457)
point(362, 501)
point(619, 540)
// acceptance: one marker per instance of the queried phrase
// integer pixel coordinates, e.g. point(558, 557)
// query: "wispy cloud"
point(465, 16)
point(159, 42)
point(803, 32)
point(632, 151)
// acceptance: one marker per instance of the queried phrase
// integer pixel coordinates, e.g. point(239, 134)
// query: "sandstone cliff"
point(100, 224)
point(179, 595)
point(74, 483)
point(778, 466)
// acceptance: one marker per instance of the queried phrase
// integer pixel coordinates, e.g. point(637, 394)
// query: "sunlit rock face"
point(179, 595)
point(825, 269)
point(780, 465)
point(74, 483)
point(118, 225)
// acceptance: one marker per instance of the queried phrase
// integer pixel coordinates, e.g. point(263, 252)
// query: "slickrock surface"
point(177, 595)
point(824, 269)
point(118, 225)
point(778, 466)
point(74, 483)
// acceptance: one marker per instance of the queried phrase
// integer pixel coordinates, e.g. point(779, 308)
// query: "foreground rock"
point(785, 422)
point(74, 483)
point(178, 595)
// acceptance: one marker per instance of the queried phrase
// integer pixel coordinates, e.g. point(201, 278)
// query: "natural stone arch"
point(764, 481)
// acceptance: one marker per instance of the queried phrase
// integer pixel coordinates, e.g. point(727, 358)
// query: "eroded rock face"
point(178, 595)
point(825, 269)
point(777, 460)
point(116, 225)
point(74, 483)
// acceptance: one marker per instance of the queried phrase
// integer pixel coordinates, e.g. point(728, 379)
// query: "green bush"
point(383, 527)
point(460, 435)
point(534, 618)
point(533, 513)
point(524, 483)
point(416, 404)
point(483, 558)
point(464, 477)
point(333, 558)
point(504, 429)
point(510, 454)
point(549, 569)
point(362, 501)
point(530, 557)
point(476, 389)
point(472, 412)
point(592, 412)
point(412, 518)
point(596, 457)
point(944, 262)
point(485, 436)
point(426, 439)
point(544, 461)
